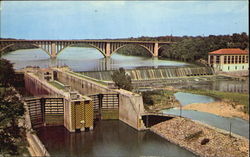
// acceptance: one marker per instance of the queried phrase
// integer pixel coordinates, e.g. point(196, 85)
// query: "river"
point(109, 138)
point(238, 126)
point(114, 138)
point(84, 59)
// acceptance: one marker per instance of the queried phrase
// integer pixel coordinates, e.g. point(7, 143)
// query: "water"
point(218, 84)
point(239, 126)
point(84, 59)
point(109, 138)
point(114, 138)
point(141, 74)
point(188, 98)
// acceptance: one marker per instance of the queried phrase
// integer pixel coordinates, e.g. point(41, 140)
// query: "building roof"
point(229, 51)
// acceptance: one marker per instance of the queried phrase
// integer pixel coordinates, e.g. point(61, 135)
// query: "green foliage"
point(191, 49)
point(148, 96)
point(156, 97)
point(239, 98)
point(17, 47)
point(7, 73)
point(12, 136)
point(122, 80)
point(134, 50)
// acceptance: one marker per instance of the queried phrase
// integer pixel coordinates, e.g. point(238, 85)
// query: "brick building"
point(227, 60)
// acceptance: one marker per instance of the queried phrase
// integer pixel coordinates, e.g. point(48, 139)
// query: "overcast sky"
point(119, 19)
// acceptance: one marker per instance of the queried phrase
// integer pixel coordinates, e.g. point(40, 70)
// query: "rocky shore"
point(202, 140)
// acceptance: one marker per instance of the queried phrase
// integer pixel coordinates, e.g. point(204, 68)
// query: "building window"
point(217, 59)
point(242, 67)
point(239, 59)
point(211, 59)
point(225, 59)
point(243, 59)
point(235, 67)
point(228, 59)
point(228, 68)
point(246, 59)
point(232, 61)
point(236, 59)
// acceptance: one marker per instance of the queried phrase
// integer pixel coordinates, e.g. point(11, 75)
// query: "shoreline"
point(191, 134)
point(220, 108)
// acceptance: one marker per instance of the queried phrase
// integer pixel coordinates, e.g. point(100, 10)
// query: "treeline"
point(194, 48)
point(185, 48)
point(17, 47)
point(190, 49)
point(134, 50)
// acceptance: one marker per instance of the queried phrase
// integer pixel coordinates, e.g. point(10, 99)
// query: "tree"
point(122, 80)
point(12, 135)
point(7, 73)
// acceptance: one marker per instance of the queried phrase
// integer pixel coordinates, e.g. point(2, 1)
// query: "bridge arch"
point(146, 48)
point(29, 44)
point(93, 46)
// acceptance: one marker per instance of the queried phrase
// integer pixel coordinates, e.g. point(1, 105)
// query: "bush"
point(122, 80)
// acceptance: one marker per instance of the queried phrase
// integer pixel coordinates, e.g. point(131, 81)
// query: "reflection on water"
point(218, 84)
point(109, 138)
point(239, 126)
point(188, 98)
point(84, 59)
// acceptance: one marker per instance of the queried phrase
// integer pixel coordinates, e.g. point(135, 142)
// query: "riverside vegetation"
point(12, 133)
point(185, 48)
point(228, 104)
point(188, 48)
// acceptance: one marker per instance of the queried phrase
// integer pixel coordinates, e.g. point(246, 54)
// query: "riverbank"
point(220, 108)
point(201, 139)
point(236, 100)
point(228, 104)
point(158, 100)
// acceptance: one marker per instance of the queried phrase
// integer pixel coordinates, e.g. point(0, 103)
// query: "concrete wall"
point(130, 109)
point(37, 87)
point(82, 85)
point(36, 148)
point(130, 104)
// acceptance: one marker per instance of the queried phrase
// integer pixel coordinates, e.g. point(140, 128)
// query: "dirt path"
point(220, 108)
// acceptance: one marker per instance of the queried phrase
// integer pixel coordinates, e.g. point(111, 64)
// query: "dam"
point(60, 92)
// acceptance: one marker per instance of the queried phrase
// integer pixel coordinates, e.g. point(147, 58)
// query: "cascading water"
point(153, 74)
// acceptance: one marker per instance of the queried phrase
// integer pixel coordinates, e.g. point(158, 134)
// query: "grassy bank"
point(237, 98)
point(159, 99)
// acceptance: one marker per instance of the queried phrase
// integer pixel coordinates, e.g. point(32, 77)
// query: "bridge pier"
point(107, 54)
point(106, 47)
point(156, 48)
point(53, 51)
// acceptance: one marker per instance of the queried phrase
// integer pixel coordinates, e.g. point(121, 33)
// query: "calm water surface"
point(109, 138)
point(84, 59)
point(239, 126)
point(188, 98)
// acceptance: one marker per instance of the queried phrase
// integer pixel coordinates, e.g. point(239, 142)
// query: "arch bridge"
point(106, 47)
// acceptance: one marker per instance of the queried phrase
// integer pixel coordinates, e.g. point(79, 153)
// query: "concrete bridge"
point(107, 47)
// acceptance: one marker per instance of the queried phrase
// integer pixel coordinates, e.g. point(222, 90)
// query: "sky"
point(121, 19)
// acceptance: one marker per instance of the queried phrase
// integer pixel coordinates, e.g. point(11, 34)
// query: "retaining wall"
point(130, 104)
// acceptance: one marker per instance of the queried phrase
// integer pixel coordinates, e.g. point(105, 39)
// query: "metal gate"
point(106, 106)
point(36, 112)
point(47, 111)
point(53, 111)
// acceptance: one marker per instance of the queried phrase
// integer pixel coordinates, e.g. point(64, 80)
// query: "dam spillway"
point(153, 73)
